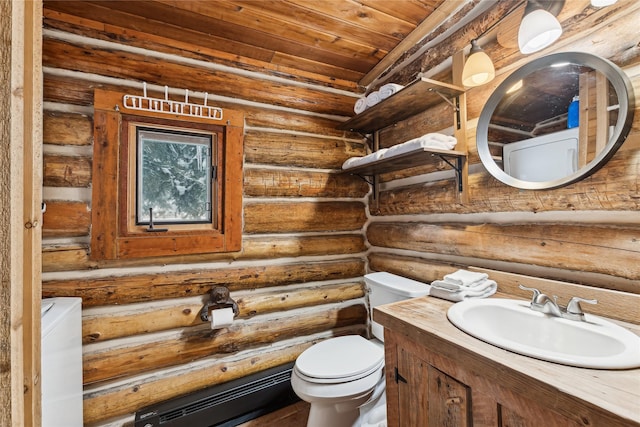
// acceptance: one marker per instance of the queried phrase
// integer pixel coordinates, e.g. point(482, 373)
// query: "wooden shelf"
point(418, 96)
point(418, 157)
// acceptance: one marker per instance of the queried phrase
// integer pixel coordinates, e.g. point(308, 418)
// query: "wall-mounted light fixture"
point(478, 69)
point(539, 28)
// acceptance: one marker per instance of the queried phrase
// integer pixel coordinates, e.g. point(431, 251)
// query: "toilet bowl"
point(337, 377)
point(343, 377)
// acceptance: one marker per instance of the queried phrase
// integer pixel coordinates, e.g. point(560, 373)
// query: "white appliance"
point(343, 377)
point(61, 365)
point(542, 158)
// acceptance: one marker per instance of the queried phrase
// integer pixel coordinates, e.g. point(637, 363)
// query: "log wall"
point(586, 233)
point(298, 278)
point(308, 238)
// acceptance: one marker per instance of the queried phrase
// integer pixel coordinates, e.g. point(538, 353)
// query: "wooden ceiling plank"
point(291, 13)
point(411, 11)
point(254, 20)
point(195, 46)
point(167, 15)
point(439, 15)
point(99, 14)
point(317, 67)
point(359, 15)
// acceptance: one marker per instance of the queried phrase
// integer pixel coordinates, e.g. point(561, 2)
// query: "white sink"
point(510, 324)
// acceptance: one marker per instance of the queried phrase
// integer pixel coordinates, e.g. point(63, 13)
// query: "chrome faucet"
point(542, 303)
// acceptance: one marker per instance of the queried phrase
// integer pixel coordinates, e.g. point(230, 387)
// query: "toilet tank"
point(385, 288)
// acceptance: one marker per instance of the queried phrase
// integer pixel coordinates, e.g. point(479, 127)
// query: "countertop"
point(607, 394)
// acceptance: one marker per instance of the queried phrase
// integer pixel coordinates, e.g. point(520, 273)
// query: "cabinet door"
point(429, 397)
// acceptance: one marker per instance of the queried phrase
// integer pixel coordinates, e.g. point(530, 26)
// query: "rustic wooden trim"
point(32, 211)
point(112, 153)
point(104, 206)
point(20, 203)
point(151, 287)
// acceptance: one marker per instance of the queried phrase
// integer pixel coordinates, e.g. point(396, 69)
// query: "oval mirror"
point(555, 120)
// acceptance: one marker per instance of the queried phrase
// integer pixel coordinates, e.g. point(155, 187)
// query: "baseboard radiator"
point(224, 405)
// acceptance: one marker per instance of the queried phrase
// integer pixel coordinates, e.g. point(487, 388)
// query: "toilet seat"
point(339, 360)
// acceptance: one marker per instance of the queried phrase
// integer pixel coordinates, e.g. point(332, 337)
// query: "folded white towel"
point(466, 277)
point(483, 290)
point(389, 89)
point(361, 105)
point(373, 98)
point(430, 140)
point(358, 161)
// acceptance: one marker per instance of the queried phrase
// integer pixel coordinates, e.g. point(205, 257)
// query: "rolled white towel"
point(484, 290)
point(373, 98)
point(389, 89)
point(466, 277)
point(430, 140)
point(359, 161)
point(360, 105)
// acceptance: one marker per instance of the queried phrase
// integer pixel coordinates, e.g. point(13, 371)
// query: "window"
point(164, 184)
point(174, 176)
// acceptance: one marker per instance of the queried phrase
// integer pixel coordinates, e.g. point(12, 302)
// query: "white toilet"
point(343, 377)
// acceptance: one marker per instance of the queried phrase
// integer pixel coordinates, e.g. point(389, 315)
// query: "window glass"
point(174, 177)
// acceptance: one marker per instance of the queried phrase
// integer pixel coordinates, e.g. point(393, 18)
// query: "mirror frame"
point(626, 98)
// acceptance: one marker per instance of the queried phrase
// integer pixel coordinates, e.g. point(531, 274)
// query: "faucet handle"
point(536, 293)
point(574, 304)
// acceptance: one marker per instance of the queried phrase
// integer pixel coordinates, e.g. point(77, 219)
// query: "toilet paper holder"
point(219, 298)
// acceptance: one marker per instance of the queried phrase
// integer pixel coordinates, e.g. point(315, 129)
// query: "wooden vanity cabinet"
point(425, 389)
point(439, 376)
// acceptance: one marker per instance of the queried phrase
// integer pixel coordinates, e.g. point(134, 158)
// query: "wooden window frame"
point(113, 237)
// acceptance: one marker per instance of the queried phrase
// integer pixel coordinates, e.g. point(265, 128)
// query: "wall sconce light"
point(538, 29)
point(478, 69)
point(602, 3)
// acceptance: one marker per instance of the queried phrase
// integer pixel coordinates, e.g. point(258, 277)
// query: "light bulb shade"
point(538, 30)
point(602, 3)
point(478, 69)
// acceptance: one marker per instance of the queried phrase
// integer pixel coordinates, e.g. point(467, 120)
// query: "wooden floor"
point(291, 416)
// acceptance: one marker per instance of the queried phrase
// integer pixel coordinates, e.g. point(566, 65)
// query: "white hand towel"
point(390, 89)
point(486, 289)
point(361, 105)
point(358, 161)
point(465, 277)
point(373, 98)
point(430, 140)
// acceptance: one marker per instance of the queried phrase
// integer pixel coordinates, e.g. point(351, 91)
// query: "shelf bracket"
point(364, 178)
point(447, 100)
point(456, 167)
